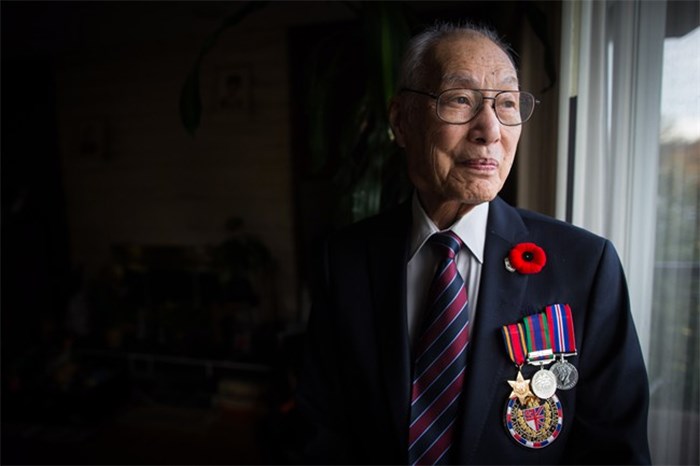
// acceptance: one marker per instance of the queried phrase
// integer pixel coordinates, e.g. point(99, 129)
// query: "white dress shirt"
point(423, 260)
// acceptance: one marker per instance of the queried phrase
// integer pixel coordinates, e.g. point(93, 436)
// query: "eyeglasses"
point(459, 106)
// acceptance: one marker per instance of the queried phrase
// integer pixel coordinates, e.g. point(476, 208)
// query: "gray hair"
point(413, 71)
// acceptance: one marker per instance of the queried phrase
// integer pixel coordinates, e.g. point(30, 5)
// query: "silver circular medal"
point(544, 384)
point(566, 374)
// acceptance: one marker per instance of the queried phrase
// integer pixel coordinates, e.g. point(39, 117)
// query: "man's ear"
point(397, 120)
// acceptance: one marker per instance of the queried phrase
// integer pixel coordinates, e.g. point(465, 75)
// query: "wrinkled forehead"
point(471, 80)
point(472, 61)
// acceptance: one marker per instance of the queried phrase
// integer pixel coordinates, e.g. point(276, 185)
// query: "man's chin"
point(475, 199)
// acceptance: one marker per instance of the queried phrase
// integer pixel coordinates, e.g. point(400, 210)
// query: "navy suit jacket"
point(354, 390)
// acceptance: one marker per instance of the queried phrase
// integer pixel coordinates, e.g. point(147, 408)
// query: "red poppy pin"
point(526, 258)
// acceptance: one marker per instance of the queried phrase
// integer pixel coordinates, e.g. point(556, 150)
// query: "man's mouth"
point(481, 164)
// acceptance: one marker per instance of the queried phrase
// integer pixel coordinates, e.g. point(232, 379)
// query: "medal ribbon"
point(537, 337)
point(561, 324)
point(514, 338)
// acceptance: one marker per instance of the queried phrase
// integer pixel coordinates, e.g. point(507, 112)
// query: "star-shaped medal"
point(521, 389)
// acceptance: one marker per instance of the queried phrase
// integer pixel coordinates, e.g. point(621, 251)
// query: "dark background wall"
point(154, 283)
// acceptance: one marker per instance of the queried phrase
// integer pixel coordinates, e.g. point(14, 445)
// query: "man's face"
point(453, 164)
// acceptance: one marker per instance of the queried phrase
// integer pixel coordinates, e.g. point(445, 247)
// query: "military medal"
point(566, 374)
point(515, 345)
point(532, 421)
point(561, 325)
point(521, 389)
point(544, 382)
point(535, 424)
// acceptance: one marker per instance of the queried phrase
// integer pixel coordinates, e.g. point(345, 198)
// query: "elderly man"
point(456, 328)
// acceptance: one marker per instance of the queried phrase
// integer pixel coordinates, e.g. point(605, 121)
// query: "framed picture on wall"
point(233, 89)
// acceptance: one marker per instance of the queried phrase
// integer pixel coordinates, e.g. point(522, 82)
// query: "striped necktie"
point(440, 361)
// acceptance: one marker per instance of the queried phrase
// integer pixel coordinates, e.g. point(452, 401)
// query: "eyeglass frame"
point(481, 104)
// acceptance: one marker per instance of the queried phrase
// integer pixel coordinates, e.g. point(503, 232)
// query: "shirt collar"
point(471, 228)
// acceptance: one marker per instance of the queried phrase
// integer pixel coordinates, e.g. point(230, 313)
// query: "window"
point(630, 171)
point(674, 355)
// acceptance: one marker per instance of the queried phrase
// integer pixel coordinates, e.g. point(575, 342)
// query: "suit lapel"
point(387, 254)
point(500, 296)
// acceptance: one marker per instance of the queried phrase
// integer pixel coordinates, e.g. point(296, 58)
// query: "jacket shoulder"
point(539, 224)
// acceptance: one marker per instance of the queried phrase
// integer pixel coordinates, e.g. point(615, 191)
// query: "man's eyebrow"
point(458, 80)
point(511, 80)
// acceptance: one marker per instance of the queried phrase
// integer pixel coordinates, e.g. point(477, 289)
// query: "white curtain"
point(608, 180)
point(612, 55)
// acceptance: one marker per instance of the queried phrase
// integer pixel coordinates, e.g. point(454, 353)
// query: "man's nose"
point(485, 127)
